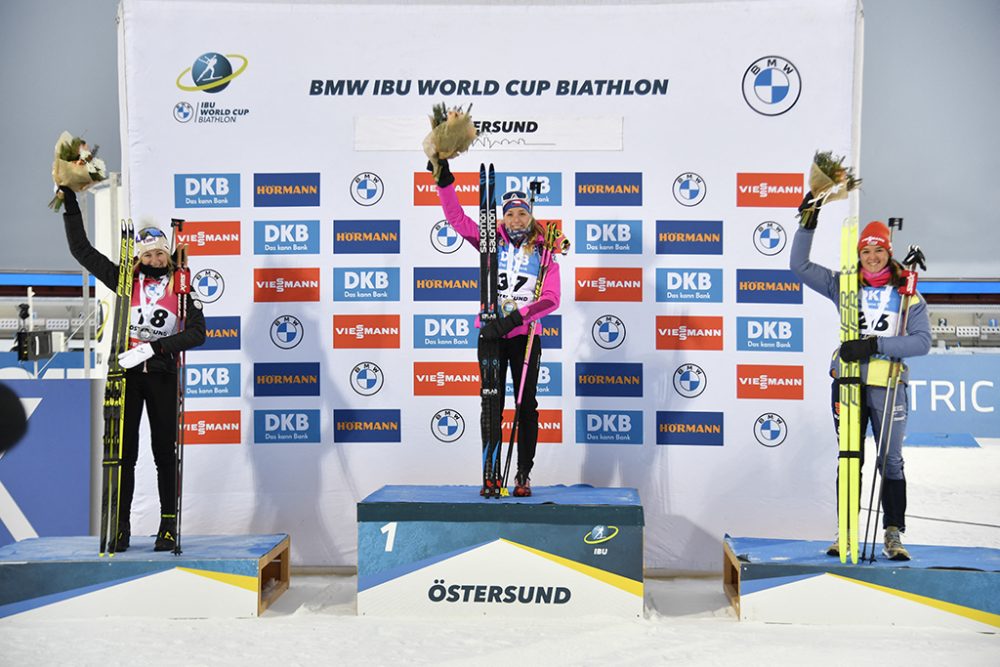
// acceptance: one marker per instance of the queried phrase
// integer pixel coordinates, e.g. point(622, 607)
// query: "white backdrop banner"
point(670, 141)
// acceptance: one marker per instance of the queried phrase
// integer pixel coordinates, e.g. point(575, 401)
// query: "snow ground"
point(954, 499)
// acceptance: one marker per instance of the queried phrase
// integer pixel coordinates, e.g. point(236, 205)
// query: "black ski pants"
point(158, 392)
point(512, 354)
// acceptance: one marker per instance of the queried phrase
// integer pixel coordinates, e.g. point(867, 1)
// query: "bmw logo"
point(608, 332)
point(209, 285)
point(447, 425)
point(690, 380)
point(771, 85)
point(287, 332)
point(183, 112)
point(444, 238)
point(770, 429)
point(367, 378)
point(689, 189)
point(366, 189)
point(211, 72)
point(769, 238)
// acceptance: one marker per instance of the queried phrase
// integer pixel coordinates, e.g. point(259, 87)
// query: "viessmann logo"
point(769, 190)
point(442, 378)
point(608, 284)
point(549, 425)
point(286, 284)
point(679, 332)
point(211, 238)
point(466, 187)
point(769, 381)
point(365, 331)
point(212, 427)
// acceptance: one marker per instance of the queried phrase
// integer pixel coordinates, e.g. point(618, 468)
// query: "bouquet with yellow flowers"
point(452, 132)
point(75, 166)
point(829, 180)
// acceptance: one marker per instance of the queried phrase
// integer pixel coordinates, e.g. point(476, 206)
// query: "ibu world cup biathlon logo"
point(209, 285)
point(771, 85)
point(770, 429)
point(366, 189)
point(211, 73)
point(287, 332)
point(447, 425)
point(608, 332)
point(445, 239)
point(690, 380)
point(689, 189)
point(367, 378)
point(769, 238)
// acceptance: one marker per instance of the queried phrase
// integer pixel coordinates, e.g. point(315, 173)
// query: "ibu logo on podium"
point(609, 427)
point(206, 190)
point(286, 426)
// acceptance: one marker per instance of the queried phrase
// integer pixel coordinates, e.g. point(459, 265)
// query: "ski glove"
point(858, 349)
point(135, 356)
point(445, 178)
point(809, 213)
point(497, 329)
point(70, 205)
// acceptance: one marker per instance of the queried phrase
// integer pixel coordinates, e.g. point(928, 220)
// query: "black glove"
point(809, 213)
point(858, 349)
point(445, 177)
point(497, 329)
point(70, 205)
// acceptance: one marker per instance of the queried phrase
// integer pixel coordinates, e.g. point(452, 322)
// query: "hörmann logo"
point(366, 237)
point(769, 381)
point(551, 332)
point(549, 425)
point(767, 286)
point(286, 189)
point(286, 379)
point(609, 189)
point(446, 378)
point(366, 284)
point(443, 330)
point(211, 380)
point(221, 333)
point(608, 284)
point(212, 427)
point(689, 428)
point(609, 427)
point(769, 334)
point(466, 187)
point(549, 380)
point(688, 237)
point(608, 379)
point(688, 332)
point(206, 190)
point(445, 283)
point(211, 238)
point(769, 190)
point(298, 427)
point(366, 426)
point(609, 237)
point(286, 284)
point(689, 285)
point(549, 183)
point(365, 331)
point(286, 237)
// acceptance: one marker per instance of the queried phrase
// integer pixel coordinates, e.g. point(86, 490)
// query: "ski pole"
point(182, 287)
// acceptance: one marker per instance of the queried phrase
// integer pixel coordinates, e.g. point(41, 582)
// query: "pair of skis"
point(491, 381)
point(849, 380)
point(114, 397)
point(182, 288)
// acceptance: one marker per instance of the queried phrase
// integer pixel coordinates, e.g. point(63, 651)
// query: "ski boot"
point(522, 484)
point(124, 533)
point(834, 549)
point(166, 536)
point(894, 549)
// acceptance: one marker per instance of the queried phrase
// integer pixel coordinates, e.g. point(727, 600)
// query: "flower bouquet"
point(452, 132)
point(75, 166)
point(829, 179)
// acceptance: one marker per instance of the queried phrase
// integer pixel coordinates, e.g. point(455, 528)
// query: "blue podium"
point(445, 551)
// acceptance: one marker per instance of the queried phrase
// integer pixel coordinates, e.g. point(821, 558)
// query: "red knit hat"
point(875, 233)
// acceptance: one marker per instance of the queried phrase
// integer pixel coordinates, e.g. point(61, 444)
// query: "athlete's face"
point(516, 219)
point(874, 258)
point(154, 258)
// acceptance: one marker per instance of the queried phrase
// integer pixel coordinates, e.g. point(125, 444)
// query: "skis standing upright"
point(849, 380)
point(114, 396)
point(491, 384)
point(182, 288)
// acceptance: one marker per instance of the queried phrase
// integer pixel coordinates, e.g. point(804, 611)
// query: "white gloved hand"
point(135, 356)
